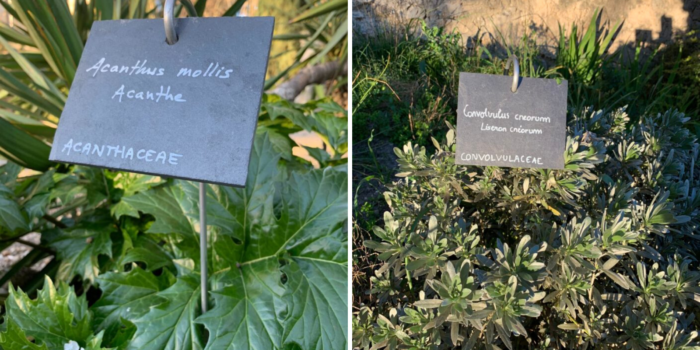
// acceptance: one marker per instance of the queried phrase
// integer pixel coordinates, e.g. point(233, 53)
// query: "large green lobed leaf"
point(278, 263)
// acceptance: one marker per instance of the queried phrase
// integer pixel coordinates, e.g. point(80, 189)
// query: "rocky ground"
point(15, 253)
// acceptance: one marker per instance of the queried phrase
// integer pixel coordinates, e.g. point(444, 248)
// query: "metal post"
point(203, 242)
point(171, 38)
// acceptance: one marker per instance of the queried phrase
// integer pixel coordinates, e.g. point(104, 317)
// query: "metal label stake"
point(171, 38)
point(203, 242)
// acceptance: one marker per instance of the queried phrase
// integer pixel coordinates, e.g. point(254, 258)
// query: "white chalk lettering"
point(164, 94)
point(97, 66)
point(119, 151)
point(124, 152)
point(119, 92)
point(161, 157)
point(139, 68)
point(173, 158)
point(184, 72)
point(226, 74)
point(213, 70)
point(512, 158)
point(484, 114)
point(532, 118)
point(98, 149)
point(521, 130)
point(68, 146)
point(487, 127)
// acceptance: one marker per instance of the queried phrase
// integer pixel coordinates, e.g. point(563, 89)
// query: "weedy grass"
point(601, 255)
point(405, 80)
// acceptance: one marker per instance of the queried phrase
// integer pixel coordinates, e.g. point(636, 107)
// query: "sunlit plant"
point(600, 255)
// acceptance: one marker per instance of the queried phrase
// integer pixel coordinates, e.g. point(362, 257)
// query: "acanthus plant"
point(124, 272)
point(600, 255)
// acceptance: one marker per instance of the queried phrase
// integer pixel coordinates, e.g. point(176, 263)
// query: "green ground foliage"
point(600, 255)
point(405, 80)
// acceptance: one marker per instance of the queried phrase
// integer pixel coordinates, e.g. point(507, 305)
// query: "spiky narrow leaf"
point(233, 10)
point(23, 149)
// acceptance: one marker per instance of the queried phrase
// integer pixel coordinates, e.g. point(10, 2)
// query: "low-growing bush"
point(600, 255)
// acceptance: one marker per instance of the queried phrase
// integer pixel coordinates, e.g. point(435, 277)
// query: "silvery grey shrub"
point(601, 255)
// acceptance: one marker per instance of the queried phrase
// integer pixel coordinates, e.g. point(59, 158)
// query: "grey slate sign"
point(522, 129)
point(187, 110)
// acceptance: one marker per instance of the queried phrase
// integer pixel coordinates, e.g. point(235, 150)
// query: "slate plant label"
point(187, 110)
point(522, 129)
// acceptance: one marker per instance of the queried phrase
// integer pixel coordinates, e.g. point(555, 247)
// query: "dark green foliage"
point(405, 89)
point(277, 262)
point(129, 245)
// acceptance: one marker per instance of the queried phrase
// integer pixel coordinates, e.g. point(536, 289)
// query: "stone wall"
point(651, 21)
